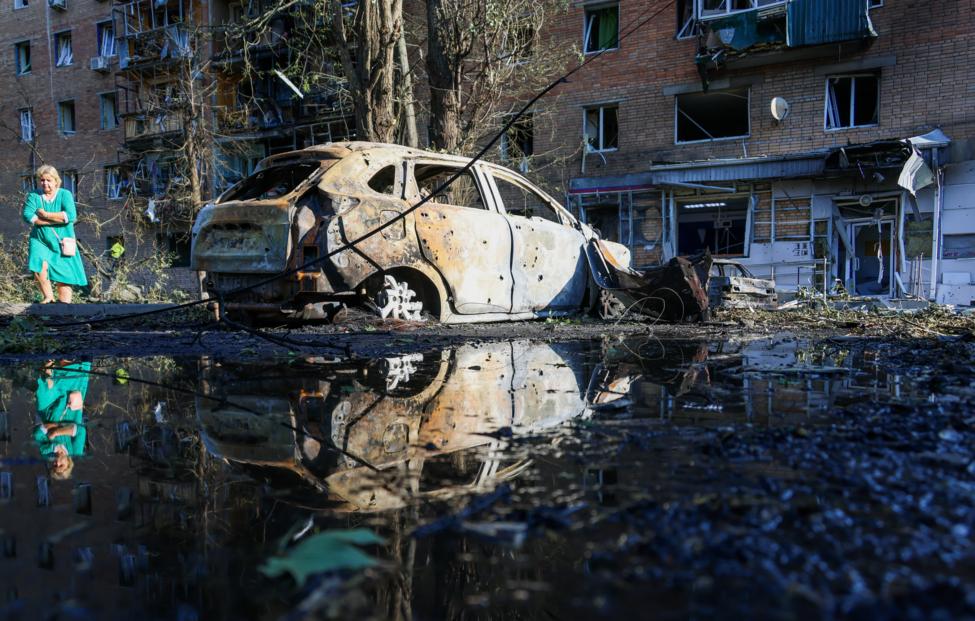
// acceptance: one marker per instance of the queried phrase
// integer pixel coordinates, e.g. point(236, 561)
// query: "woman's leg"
point(44, 284)
point(64, 293)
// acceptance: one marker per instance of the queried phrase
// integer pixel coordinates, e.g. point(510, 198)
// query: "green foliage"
point(332, 550)
point(17, 285)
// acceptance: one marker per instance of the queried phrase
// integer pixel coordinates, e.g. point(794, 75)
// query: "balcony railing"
point(142, 126)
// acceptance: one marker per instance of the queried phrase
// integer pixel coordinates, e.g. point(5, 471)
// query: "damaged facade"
point(813, 142)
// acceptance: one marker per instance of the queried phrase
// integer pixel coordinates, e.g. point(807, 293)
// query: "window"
point(874, 4)
point(113, 182)
point(720, 8)
point(66, 117)
point(852, 101)
point(108, 110)
point(62, 48)
point(601, 128)
point(27, 183)
point(22, 57)
point(384, 181)
point(687, 25)
point(711, 116)
point(69, 181)
point(714, 223)
point(519, 200)
point(26, 125)
point(518, 142)
point(273, 182)
point(958, 246)
point(106, 38)
point(177, 246)
point(20, 4)
point(463, 192)
point(602, 28)
point(518, 43)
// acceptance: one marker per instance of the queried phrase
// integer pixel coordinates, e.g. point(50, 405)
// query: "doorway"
point(872, 265)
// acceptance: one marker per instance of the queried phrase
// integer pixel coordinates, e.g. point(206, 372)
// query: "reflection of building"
point(775, 131)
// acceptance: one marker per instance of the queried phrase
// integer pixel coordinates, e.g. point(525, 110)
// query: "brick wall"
point(929, 85)
point(90, 148)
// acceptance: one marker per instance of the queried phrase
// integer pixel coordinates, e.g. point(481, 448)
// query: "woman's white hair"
point(50, 171)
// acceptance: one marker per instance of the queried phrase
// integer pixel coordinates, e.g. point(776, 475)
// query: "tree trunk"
point(445, 117)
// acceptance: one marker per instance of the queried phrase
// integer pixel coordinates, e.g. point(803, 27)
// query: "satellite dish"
point(780, 108)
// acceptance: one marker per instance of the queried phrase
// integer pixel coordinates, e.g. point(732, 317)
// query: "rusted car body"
point(348, 433)
point(490, 247)
point(731, 285)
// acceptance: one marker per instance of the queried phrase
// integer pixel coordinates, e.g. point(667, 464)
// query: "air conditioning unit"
point(101, 63)
point(61, 5)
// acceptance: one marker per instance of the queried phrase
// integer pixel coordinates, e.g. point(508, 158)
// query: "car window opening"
point(384, 181)
point(463, 192)
point(520, 201)
point(273, 182)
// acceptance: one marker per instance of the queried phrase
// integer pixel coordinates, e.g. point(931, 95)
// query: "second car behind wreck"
point(489, 247)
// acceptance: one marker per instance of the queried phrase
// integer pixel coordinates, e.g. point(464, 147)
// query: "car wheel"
point(610, 306)
point(396, 299)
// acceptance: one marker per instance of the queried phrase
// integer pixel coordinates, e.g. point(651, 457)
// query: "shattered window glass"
point(852, 101)
point(712, 115)
point(462, 192)
point(273, 182)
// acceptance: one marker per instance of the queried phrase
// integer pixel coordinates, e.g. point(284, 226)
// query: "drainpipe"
point(939, 199)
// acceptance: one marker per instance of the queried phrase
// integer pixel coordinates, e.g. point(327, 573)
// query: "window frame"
point(21, 4)
point(748, 116)
point(119, 185)
point(74, 117)
point(58, 37)
point(32, 127)
point(101, 116)
point(755, 5)
point(72, 176)
point(99, 31)
point(592, 8)
point(875, 75)
point(495, 176)
point(585, 136)
point(18, 46)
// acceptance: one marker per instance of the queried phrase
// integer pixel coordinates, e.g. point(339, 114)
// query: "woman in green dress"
point(61, 430)
point(52, 212)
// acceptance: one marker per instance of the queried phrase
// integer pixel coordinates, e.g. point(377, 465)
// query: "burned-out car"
point(731, 285)
point(489, 247)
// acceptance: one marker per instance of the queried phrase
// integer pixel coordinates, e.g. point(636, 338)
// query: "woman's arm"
point(31, 205)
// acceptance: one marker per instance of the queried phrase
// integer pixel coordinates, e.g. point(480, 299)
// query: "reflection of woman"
point(61, 433)
point(52, 211)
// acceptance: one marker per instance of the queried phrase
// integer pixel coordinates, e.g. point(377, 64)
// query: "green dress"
point(44, 244)
point(52, 407)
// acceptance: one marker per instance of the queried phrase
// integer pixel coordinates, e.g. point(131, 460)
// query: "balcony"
point(141, 126)
point(780, 32)
point(165, 44)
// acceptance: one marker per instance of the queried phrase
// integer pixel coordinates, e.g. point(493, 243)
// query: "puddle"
point(763, 479)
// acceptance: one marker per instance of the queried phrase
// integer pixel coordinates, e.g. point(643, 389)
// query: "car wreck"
point(732, 285)
point(358, 222)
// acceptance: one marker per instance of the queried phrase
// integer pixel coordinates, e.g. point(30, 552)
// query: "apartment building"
point(58, 104)
point(816, 140)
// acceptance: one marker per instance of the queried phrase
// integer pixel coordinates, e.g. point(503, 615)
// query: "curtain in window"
point(26, 126)
point(608, 27)
point(107, 45)
point(64, 52)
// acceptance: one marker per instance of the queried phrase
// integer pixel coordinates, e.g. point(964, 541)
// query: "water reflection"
point(364, 435)
point(179, 499)
point(61, 432)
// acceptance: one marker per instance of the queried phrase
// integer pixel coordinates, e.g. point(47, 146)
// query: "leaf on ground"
point(121, 376)
point(329, 551)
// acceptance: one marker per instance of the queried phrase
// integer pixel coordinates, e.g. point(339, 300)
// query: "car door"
point(549, 264)
point(464, 237)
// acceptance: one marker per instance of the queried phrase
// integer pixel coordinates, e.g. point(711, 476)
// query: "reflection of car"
point(733, 286)
point(490, 247)
point(368, 435)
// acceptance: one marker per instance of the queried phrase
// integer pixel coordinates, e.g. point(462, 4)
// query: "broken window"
point(712, 223)
point(69, 181)
point(22, 57)
point(66, 117)
point(108, 110)
point(852, 101)
point(602, 28)
point(601, 128)
point(384, 181)
point(273, 182)
point(26, 125)
point(719, 8)
point(463, 192)
point(518, 42)
point(62, 48)
point(712, 115)
point(518, 142)
point(106, 38)
point(519, 200)
point(114, 182)
point(177, 245)
point(20, 4)
point(687, 25)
